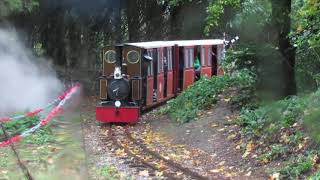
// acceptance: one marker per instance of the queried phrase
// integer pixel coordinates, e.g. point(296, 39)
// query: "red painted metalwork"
point(122, 114)
point(170, 83)
point(149, 90)
point(160, 91)
point(176, 63)
point(189, 71)
point(207, 70)
point(188, 77)
point(160, 76)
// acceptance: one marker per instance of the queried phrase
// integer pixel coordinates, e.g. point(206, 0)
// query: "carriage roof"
point(155, 44)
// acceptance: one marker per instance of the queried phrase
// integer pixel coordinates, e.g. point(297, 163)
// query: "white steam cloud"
point(26, 82)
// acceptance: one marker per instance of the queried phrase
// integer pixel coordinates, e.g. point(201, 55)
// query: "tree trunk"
point(281, 23)
point(133, 17)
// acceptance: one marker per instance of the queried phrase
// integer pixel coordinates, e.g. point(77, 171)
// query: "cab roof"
point(155, 44)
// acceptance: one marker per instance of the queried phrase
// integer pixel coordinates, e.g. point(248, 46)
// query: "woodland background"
point(282, 37)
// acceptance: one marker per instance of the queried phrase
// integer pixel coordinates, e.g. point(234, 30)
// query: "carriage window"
point(210, 54)
point(203, 56)
point(191, 56)
point(169, 59)
point(162, 61)
point(150, 69)
point(186, 64)
point(221, 54)
point(150, 64)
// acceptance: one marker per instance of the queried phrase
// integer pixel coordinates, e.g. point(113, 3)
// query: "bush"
point(271, 118)
point(297, 166)
point(202, 94)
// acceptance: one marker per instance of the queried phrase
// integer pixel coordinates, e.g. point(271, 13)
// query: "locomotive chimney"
point(118, 49)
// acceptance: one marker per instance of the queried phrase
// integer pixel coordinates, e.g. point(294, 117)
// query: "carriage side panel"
point(188, 71)
point(206, 66)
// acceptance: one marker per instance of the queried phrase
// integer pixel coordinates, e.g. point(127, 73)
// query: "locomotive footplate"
point(126, 114)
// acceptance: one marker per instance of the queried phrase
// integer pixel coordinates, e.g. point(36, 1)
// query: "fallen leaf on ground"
point(213, 125)
point(275, 176)
point(222, 163)
point(232, 136)
point(144, 173)
point(50, 161)
point(221, 169)
point(159, 174)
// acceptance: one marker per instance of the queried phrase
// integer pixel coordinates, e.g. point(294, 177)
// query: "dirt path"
point(214, 135)
point(208, 146)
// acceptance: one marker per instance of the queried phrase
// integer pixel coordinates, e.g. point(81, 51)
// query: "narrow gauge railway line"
point(139, 152)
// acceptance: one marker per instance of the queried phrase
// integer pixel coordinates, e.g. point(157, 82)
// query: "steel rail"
point(136, 157)
point(187, 171)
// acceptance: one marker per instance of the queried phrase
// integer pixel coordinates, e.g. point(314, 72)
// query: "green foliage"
point(311, 119)
point(15, 5)
point(264, 61)
point(8, 7)
point(202, 94)
point(269, 119)
point(254, 14)
point(216, 9)
point(18, 126)
point(277, 150)
point(306, 36)
point(110, 173)
point(316, 176)
point(38, 49)
point(307, 24)
point(297, 166)
point(241, 57)
point(42, 136)
point(296, 138)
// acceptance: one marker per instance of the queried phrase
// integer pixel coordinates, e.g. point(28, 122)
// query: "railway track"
point(142, 158)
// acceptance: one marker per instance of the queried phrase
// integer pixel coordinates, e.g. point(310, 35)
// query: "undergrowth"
point(285, 130)
point(20, 125)
point(203, 93)
point(296, 166)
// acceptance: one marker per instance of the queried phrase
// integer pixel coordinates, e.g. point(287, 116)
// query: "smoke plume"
point(27, 82)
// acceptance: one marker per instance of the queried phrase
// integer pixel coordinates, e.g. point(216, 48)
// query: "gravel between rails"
point(99, 156)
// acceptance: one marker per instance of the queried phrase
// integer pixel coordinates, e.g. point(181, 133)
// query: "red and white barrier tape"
point(37, 111)
point(55, 111)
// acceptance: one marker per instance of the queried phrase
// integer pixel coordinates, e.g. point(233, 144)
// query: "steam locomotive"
point(139, 76)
